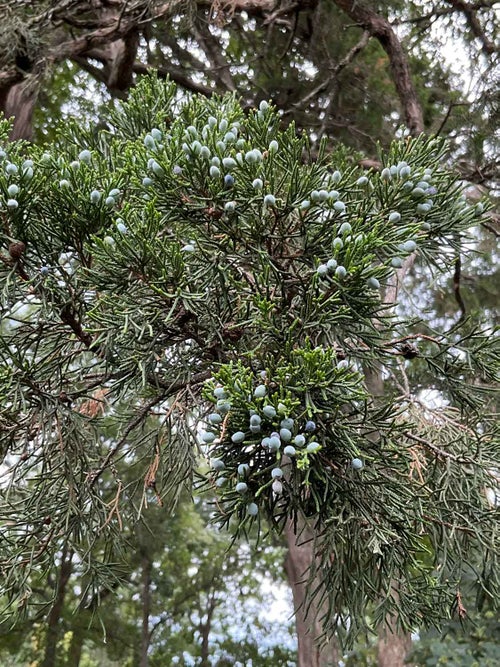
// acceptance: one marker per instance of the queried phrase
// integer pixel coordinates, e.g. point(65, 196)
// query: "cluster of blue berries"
point(269, 443)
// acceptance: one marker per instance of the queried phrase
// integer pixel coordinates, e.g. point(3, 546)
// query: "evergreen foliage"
point(181, 276)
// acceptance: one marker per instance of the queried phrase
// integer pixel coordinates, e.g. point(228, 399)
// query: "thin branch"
point(380, 28)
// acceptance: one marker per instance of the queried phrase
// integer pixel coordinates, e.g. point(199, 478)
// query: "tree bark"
point(311, 653)
point(146, 610)
point(53, 626)
point(393, 647)
point(205, 633)
point(19, 102)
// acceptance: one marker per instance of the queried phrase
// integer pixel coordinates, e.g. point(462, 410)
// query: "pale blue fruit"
point(265, 442)
point(109, 201)
point(289, 450)
point(418, 192)
point(313, 447)
point(274, 443)
point(270, 200)
point(220, 392)
point(230, 206)
point(343, 365)
point(241, 487)
point(212, 122)
point(12, 203)
point(217, 464)
point(305, 205)
point(310, 426)
point(357, 464)
point(188, 248)
point(243, 469)
point(409, 246)
point(115, 192)
point(397, 262)
point(238, 437)
point(223, 125)
point(287, 423)
point(44, 270)
point(276, 473)
point(255, 428)
point(220, 481)
point(260, 391)
point(196, 147)
point(250, 157)
point(252, 509)
point(229, 138)
point(13, 189)
point(255, 420)
point(224, 406)
point(109, 240)
point(214, 418)
point(345, 227)
point(322, 270)
point(299, 440)
point(273, 146)
point(257, 184)
point(277, 487)
point(331, 265)
point(336, 176)
point(11, 169)
point(147, 182)
point(479, 208)
point(157, 169)
point(215, 161)
point(337, 244)
point(156, 134)
point(339, 206)
point(263, 106)
point(285, 434)
point(385, 174)
point(340, 272)
point(228, 181)
point(323, 195)
point(214, 172)
point(204, 153)
point(404, 172)
point(208, 436)
point(149, 142)
point(315, 196)
point(121, 228)
point(395, 217)
point(85, 156)
point(269, 411)
point(373, 283)
point(228, 163)
point(333, 195)
point(362, 181)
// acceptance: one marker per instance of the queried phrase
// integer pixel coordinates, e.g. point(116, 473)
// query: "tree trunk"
point(52, 636)
point(205, 633)
point(76, 645)
point(146, 610)
point(298, 560)
point(393, 647)
point(19, 102)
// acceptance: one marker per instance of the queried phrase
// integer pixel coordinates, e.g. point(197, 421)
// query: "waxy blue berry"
point(260, 391)
point(243, 469)
point(208, 436)
point(310, 426)
point(289, 450)
point(241, 487)
point(217, 464)
point(269, 411)
point(252, 509)
point(357, 464)
point(313, 447)
point(238, 437)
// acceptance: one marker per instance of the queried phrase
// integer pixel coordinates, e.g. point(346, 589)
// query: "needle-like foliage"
point(190, 281)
